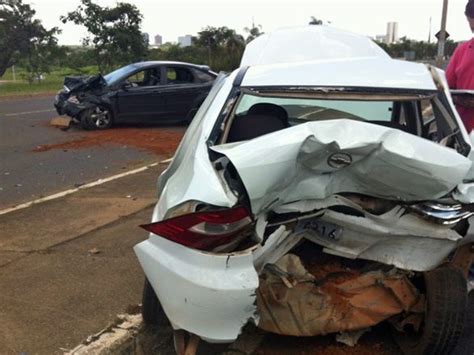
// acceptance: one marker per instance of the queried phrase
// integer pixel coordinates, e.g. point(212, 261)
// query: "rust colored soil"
point(158, 141)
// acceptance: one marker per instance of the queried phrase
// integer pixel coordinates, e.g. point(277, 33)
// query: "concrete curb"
point(128, 336)
point(117, 338)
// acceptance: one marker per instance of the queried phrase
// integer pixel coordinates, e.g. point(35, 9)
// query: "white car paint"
point(305, 43)
point(213, 295)
point(352, 72)
point(386, 163)
point(191, 168)
point(208, 295)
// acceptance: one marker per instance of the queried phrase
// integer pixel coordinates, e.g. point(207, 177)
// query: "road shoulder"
point(67, 266)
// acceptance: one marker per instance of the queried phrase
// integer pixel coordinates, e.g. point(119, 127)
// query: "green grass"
point(53, 81)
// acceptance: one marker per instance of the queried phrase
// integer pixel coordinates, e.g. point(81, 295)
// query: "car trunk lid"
point(318, 159)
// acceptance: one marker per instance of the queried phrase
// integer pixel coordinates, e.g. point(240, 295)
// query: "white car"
point(322, 187)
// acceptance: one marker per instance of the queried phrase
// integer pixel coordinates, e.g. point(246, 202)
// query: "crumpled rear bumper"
point(215, 295)
point(209, 295)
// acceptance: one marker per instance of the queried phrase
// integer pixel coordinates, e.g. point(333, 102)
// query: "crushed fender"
point(292, 301)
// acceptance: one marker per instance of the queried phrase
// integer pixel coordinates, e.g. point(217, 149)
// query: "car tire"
point(152, 312)
point(446, 296)
point(97, 118)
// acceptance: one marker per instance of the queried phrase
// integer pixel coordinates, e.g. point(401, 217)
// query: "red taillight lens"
point(202, 230)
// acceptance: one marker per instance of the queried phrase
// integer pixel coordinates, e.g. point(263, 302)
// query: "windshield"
point(119, 74)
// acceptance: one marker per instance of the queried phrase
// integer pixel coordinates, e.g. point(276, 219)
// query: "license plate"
point(323, 229)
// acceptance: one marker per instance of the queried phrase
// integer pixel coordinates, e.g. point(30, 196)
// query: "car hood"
point(82, 83)
point(318, 159)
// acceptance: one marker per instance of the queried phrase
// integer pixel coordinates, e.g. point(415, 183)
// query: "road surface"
point(26, 175)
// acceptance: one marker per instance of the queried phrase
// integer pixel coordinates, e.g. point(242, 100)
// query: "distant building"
point(185, 41)
point(381, 38)
point(392, 33)
point(158, 40)
point(146, 38)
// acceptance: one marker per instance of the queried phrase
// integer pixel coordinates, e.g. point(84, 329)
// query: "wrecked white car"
point(321, 188)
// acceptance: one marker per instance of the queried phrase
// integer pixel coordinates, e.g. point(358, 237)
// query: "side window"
point(137, 79)
point(179, 75)
point(148, 77)
point(202, 76)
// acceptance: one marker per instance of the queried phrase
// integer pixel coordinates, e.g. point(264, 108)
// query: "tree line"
point(115, 38)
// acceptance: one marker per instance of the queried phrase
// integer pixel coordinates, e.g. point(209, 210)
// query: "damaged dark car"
point(145, 92)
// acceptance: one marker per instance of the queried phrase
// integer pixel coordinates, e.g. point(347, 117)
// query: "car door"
point(138, 98)
point(182, 90)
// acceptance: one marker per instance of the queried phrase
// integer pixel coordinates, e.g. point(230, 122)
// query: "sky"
point(175, 18)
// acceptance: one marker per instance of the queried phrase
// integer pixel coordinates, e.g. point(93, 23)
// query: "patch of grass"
point(23, 87)
point(53, 81)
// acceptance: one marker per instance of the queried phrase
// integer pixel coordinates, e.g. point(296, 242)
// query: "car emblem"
point(339, 160)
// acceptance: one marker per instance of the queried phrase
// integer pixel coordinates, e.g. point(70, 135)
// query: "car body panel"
point(353, 72)
point(385, 163)
point(202, 293)
point(139, 103)
point(314, 43)
point(191, 176)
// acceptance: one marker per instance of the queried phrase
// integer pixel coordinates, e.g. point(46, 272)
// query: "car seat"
point(262, 118)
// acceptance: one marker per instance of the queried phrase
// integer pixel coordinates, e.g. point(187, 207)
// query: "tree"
point(40, 54)
point(224, 47)
point(315, 21)
point(422, 50)
point(214, 36)
point(21, 35)
point(114, 32)
point(253, 32)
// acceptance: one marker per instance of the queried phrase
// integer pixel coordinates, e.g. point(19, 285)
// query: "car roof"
point(304, 43)
point(320, 55)
point(355, 72)
point(154, 63)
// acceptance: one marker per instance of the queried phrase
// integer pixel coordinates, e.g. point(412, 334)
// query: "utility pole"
point(209, 50)
point(442, 35)
point(429, 32)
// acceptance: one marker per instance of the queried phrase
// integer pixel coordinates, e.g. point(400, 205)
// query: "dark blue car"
point(157, 91)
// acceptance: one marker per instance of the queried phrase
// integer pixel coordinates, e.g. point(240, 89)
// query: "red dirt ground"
point(155, 140)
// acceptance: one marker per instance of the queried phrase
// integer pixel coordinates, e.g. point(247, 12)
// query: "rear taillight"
point(202, 230)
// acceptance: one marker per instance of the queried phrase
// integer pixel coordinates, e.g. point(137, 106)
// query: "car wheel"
point(96, 118)
point(446, 296)
point(152, 312)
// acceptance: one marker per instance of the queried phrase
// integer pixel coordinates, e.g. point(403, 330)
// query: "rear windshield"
point(426, 115)
point(314, 110)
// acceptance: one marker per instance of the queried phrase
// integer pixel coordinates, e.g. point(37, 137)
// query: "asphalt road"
point(26, 175)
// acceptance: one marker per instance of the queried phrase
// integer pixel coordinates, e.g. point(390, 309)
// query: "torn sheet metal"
point(344, 303)
point(395, 237)
point(212, 296)
point(296, 164)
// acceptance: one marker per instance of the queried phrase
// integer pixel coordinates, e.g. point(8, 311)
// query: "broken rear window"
point(422, 114)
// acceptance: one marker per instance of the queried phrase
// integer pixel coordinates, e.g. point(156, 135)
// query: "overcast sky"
point(178, 17)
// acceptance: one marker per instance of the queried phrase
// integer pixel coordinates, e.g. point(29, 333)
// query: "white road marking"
point(71, 191)
point(28, 112)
